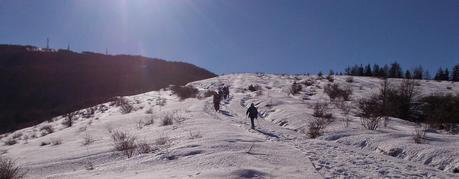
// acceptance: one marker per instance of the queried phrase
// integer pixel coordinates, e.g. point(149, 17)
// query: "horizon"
point(294, 37)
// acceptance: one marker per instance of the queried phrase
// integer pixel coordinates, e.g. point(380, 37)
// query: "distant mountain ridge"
point(37, 84)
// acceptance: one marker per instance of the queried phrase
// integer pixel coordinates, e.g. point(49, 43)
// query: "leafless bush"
point(17, 135)
point(208, 93)
point(195, 135)
point(43, 143)
point(150, 121)
point(295, 88)
point(321, 110)
point(350, 79)
point(162, 141)
point(330, 78)
point(309, 82)
point(143, 147)
point(69, 119)
point(47, 129)
point(124, 142)
point(316, 127)
point(161, 101)
point(10, 170)
point(254, 88)
point(10, 141)
point(56, 141)
point(89, 112)
point(370, 112)
point(168, 119)
point(123, 103)
point(345, 109)
point(449, 88)
point(334, 91)
point(87, 140)
point(89, 165)
point(419, 135)
point(184, 92)
point(140, 124)
point(149, 111)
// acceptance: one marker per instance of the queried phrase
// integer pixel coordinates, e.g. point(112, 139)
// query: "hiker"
point(252, 112)
point(217, 99)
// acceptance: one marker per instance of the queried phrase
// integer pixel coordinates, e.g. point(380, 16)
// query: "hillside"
point(37, 84)
point(202, 143)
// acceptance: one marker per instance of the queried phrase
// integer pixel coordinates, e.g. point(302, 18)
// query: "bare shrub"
point(123, 103)
point(47, 129)
point(89, 165)
point(309, 82)
point(370, 112)
point(161, 101)
point(149, 111)
point(316, 127)
point(330, 78)
point(346, 110)
point(419, 135)
point(334, 91)
point(150, 121)
point(69, 119)
point(10, 141)
point(56, 141)
point(184, 92)
point(143, 148)
point(124, 142)
point(168, 119)
point(162, 141)
point(350, 79)
point(43, 143)
point(10, 170)
point(87, 140)
point(254, 88)
point(140, 124)
point(17, 135)
point(295, 88)
point(208, 93)
point(195, 135)
point(321, 110)
point(89, 112)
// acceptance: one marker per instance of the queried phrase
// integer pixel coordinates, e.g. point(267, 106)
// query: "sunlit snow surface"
point(207, 144)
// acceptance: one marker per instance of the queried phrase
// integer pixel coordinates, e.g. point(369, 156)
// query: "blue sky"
point(224, 36)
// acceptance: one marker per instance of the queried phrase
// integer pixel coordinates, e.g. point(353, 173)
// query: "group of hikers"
point(223, 93)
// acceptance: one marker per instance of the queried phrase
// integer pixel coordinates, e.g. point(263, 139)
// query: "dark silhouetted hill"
point(36, 85)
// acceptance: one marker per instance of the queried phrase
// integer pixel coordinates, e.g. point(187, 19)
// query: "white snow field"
point(202, 143)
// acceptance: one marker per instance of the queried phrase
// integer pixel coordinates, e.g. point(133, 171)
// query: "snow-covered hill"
point(202, 143)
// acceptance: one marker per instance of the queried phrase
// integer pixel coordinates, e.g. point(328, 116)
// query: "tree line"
point(395, 70)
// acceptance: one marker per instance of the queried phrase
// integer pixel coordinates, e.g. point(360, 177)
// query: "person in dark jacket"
point(216, 100)
point(252, 112)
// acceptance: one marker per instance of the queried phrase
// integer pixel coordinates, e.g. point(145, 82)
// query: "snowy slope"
point(205, 144)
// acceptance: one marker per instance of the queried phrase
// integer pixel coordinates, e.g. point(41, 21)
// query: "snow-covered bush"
point(184, 92)
point(162, 141)
point(56, 141)
point(149, 111)
point(334, 91)
point(124, 142)
point(89, 112)
point(10, 170)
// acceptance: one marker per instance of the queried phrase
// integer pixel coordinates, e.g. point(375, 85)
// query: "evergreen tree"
point(361, 70)
point(418, 73)
point(395, 70)
point(445, 76)
point(331, 72)
point(320, 74)
point(455, 73)
point(408, 74)
point(368, 71)
point(376, 70)
point(439, 75)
